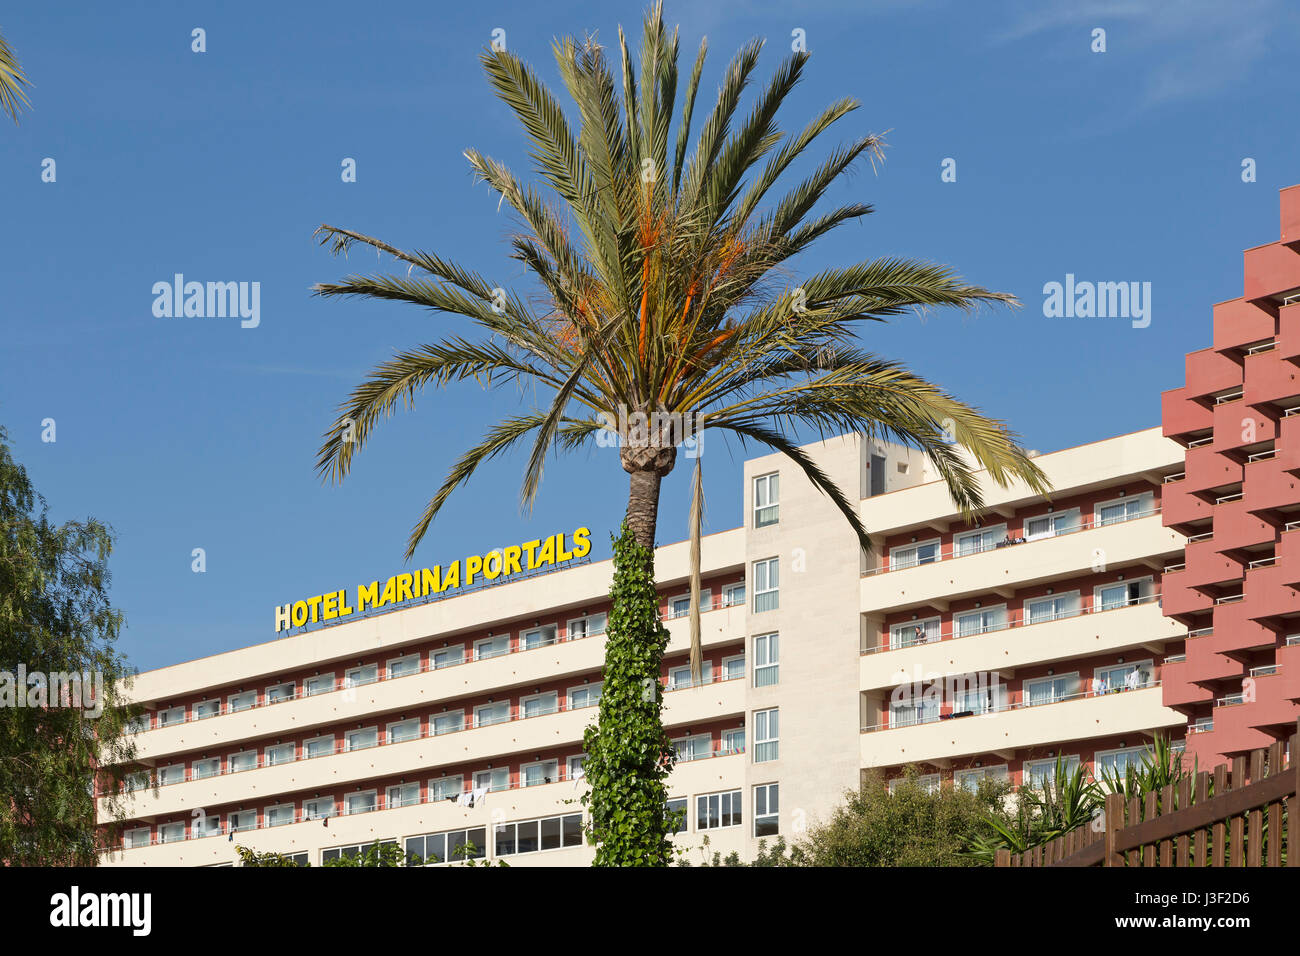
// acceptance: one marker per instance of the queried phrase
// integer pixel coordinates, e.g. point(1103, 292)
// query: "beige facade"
point(381, 742)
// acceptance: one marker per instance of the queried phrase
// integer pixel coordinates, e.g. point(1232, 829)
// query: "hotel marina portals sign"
point(492, 566)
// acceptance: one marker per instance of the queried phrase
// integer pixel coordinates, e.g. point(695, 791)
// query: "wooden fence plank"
point(1114, 820)
point(1255, 825)
point(1237, 826)
point(1182, 856)
point(1220, 831)
point(1202, 835)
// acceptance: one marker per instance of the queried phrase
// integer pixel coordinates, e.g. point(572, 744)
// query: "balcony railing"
point(1176, 477)
point(1263, 670)
point(1017, 619)
point(425, 665)
point(1007, 708)
point(1202, 726)
point(384, 739)
point(381, 802)
point(952, 552)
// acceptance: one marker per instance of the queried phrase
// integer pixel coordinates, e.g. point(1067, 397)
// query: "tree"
point(12, 81)
point(62, 708)
point(662, 302)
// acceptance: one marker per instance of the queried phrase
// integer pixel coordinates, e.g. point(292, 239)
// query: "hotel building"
point(1153, 593)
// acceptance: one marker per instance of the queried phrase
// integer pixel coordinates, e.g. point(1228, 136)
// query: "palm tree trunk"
point(646, 468)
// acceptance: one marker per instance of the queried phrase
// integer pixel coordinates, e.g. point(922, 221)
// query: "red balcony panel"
point(1207, 668)
point(1235, 630)
point(1235, 527)
point(1270, 378)
point(1270, 270)
point(1238, 322)
point(1177, 599)
point(1288, 672)
point(1236, 727)
point(1179, 415)
point(1179, 507)
point(1268, 485)
point(1288, 443)
point(1290, 214)
point(1288, 332)
point(1207, 566)
point(1209, 371)
point(1237, 425)
point(1206, 468)
point(1267, 595)
point(1288, 557)
point(1178, 689)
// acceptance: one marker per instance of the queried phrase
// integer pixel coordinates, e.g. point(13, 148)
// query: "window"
point(981, 621)
point(241, 820)
point(449, 846)
point(174, 715)
point(282, 753)
point(1039, 773)
point(733, 594)
point(767, 579)
point(1050, 525)
point(171, 833)
point(361, 739)
point(929, 782)
point(976, 694)
point(876, 472)
point(173, 774)
point(766, 660)
point(538, 637)
point(1054, 607)
point(1050, 690)
point(1107, 763)
point(766, 726)
point(362, 802)
point(676, 814)
point(970, 779)
point(973, 542)
point(910, 555)
point(279, 816)
point(680, 677)
point(733, 667)
point(319, 684)
point(766, 500)
point(538, 704)
point(448, 657)
point(588, 626)
point(497, 713)
point(403, 795)
point(1125, 509)
point(320, 747)
point(917, 710)
point(1121, 594)
point(1109, 680)
point(733, 741)
point(206, 768)
point(548, 833)
point(681, 606)
point(496, 779)
point(137, 781)
point(588, 695)
point(279, 692)
point(243, 761)
point(318, 809)
point(137, 837)
point(693, 748)
point(351, 851)
point(914, 632)
point(446, 788)
point(404, 730)
point(716, 810)
point(767, 810)
point(402, 666)
point(138, 725)
point(245, 701)
point(207, 708)
point(491, 647)
point(449, 723)
point(573, 767)
point(366, 674)
point(205, 825)
point(535, 774)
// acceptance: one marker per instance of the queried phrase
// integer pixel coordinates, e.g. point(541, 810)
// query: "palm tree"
point(665, 301)
point(12, 81)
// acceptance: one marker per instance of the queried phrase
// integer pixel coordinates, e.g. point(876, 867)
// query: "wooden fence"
point(1252, 819)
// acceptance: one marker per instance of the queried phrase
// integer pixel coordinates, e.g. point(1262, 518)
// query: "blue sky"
point(188, 433)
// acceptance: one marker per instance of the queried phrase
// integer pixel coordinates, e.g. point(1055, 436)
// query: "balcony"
point(1270, 379)
point(519, 667)
point(1080, 718)
point(520, 733)
point(1288, 338)
point(1018, 644)
point(397, 822)
point(1238, 322)
point(1208, 468)
point(1269, 270)
point(1209, 373)
point(1003, 569)
point(1181, 507)
point(1182, 415)
point(1268, 486)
